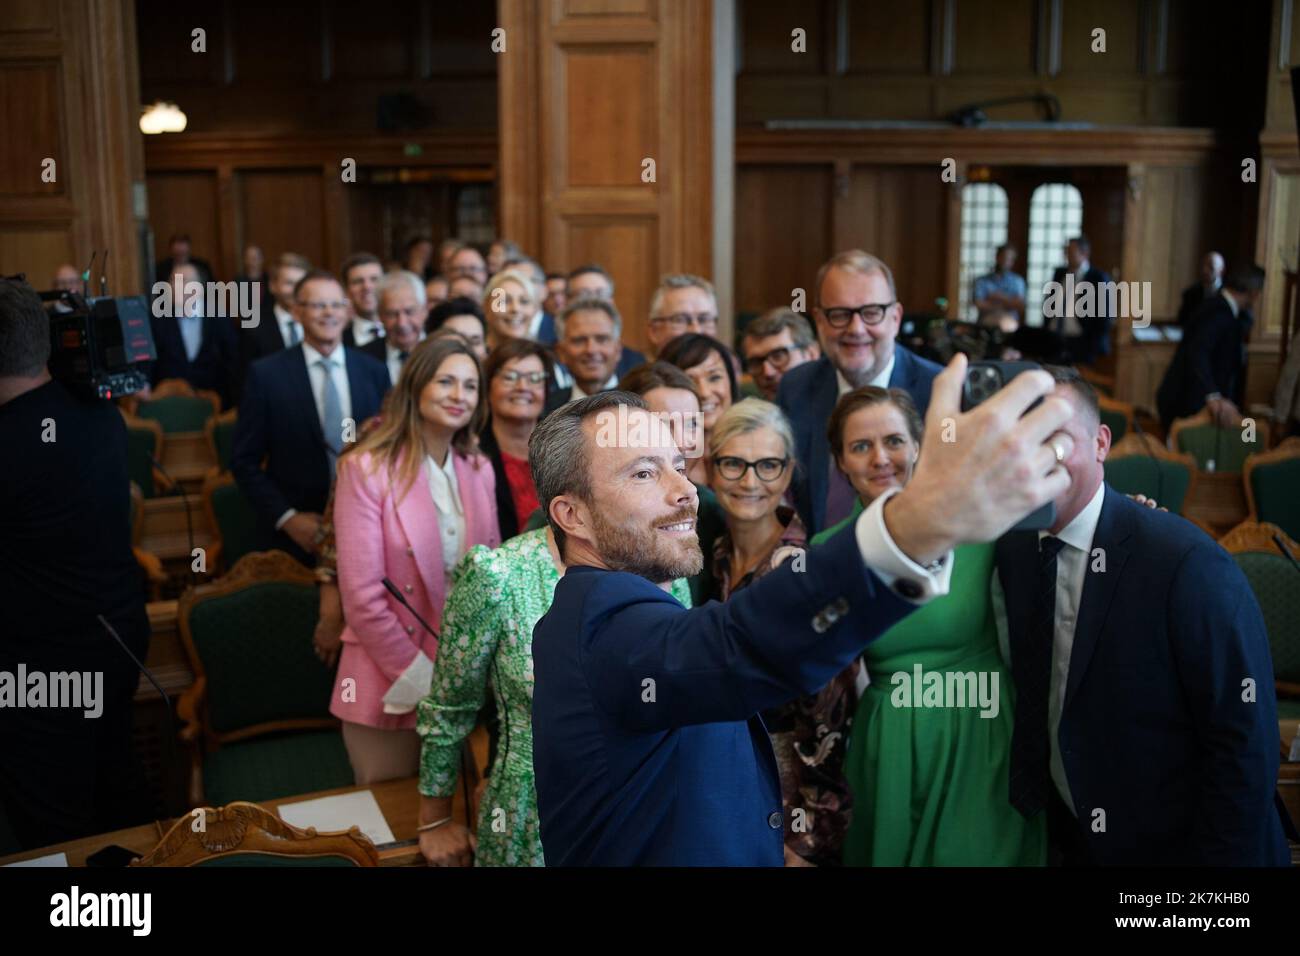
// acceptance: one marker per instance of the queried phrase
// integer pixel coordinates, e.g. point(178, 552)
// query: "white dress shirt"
point(890, 564)
point(535, 326)
point(577, 392)
point(1071, 571)
point(316, 375)
point(393, 358)
point(880, 381)
point(191, 327)
point(290, 332)
point(366, 330)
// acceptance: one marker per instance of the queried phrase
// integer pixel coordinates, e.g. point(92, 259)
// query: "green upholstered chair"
point(178, 407)
point(244, 834)
point(257, 718)
point(220, 430)
point(1272, 482)
point(1140, 465)
point(1276, 584)
point(231, 518)
point(1117, 416)
point(144, 445)
point(1206, 442)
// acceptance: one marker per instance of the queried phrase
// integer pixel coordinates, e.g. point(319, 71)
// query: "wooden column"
point(591, 90)
point(69, 92)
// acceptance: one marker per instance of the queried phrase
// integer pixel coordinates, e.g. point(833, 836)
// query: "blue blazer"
point(215, 367)
point(807, 395)
point(1153, 728)
point(546, 331)
point(647, 744)
point(278, 422)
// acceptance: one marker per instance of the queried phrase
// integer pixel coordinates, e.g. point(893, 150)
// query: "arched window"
point(983, 229)
point(1055, 215)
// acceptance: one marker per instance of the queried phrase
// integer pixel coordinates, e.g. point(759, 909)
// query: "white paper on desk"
point(1144, 334)
point(53, 859)
point(357, 809)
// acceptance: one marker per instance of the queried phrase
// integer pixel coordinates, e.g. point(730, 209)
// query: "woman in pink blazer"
point(412, 498)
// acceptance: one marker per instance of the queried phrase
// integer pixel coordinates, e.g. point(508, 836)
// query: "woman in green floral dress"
point(487, 637)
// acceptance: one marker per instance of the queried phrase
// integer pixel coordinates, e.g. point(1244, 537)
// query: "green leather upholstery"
point(1276, 487)
point(141, 447)
point(178, 413)
point(236, 523)
point(223, 437)
point(255, 646)
point(1116, 422)
point(1223, 446)
point(269, 859)
point(1165, 481)
point(1277, 588)
point(281, 765)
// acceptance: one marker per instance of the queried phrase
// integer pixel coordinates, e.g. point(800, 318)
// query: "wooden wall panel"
point(69, 92)
point(187, 202)
point(281, 210)
point(29, 113)
point(594, 89)
point(1122, 21)
point(765, 38)
point(994, 36)
point(888, 37)
point(783, 232)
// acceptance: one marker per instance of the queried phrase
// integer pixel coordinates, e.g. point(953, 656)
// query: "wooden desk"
point(187, 458)
point(398, 799)
point(166, 656)
point(163, 529)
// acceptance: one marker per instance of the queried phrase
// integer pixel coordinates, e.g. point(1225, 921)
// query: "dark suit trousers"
point(1067, 845)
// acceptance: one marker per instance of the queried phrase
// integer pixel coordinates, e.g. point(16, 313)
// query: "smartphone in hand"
point(983, 380)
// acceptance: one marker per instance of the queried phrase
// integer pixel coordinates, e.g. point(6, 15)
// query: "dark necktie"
point(403, 356)
point(1030, 747)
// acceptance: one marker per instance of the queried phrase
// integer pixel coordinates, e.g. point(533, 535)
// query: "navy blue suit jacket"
point(1095, 339)
point(546, 331)
point(1209, 358)
point(807, 395)
point(1153, 728)
point(647, 743)
point(215, 367)
point(278, 421)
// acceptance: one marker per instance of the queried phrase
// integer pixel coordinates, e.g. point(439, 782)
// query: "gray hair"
point(749, 415)
point(680, 280)
point(589, 303)
point(558, 455)
point(24, 330)
point(775, 321)
point(392, 281)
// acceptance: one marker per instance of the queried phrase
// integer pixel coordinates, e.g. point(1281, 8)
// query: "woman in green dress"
point(487, 637)
point(929, 783)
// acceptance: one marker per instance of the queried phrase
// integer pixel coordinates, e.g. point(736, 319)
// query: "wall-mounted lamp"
point(162, 118)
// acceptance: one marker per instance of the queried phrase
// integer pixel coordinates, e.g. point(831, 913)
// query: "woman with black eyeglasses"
point(752, 459)
point(516, 373)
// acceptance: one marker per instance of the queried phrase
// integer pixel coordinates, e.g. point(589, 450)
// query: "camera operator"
point(65, 559)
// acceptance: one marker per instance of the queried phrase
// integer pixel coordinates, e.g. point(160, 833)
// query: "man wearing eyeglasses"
point(682, 303)
point(858, 315)
point(775, 343)
point(300, 406)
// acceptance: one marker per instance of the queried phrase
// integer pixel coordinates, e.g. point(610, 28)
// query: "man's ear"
point(1103, 442)
point(571, 516)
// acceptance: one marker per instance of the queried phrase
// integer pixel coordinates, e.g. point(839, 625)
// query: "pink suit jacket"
point(379, 537)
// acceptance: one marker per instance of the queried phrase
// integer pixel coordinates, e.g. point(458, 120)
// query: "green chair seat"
point(178, 413)
point(283, 765)
point(1223, 446)
point(270, 859)
point(236, 523)
point(1276, 487)
point(141, 449)
point(223, 437)
point(1165, 481)
point(1277, 589)
point(1288, 708)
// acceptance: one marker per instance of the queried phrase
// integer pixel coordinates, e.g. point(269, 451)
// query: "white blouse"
point(445, 492)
